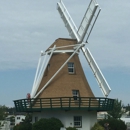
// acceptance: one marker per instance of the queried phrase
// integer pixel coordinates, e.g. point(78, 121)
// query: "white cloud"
point(27, 27)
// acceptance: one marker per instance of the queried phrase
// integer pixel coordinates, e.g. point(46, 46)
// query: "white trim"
point(67, 46)
point(65, 51)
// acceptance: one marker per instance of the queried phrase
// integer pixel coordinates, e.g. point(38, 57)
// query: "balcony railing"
point(64, 103)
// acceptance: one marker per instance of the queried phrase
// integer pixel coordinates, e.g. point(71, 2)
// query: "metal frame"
point(64, 103)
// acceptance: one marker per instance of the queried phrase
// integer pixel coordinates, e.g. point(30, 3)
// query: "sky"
point(29, 26)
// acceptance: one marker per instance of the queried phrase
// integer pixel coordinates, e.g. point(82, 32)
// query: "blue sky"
point(27, 27)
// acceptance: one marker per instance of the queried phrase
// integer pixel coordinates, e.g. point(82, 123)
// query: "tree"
point(128, 109)
point(3, 112)
point(97, 126)
point(26, 124)
point(114, 124)
point(117, 111)
point(28, 118)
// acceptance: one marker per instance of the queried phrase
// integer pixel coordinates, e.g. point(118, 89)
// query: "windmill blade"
point(69, 23)
point(36, 76)
point(42, 71)
point(88, 20)
point(98, 74)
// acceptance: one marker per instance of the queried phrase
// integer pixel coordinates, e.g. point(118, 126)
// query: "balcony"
point(64, 103)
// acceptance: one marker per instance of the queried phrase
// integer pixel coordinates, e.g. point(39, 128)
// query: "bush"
point(114, 124)
point(71, 128)
point(23, 126)
point(48, 124)
point(97, 126)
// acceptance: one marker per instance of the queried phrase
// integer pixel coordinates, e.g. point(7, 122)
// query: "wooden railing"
point(64, 103)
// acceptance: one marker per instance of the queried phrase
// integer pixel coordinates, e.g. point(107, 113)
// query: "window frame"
point(78, 121)
point(75, 94)
point(71, 68)
point(18, 117)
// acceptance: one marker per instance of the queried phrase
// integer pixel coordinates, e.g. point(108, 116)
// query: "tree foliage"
point(114, 124)
point(25, 124)
point(3, 112)
point(117, 112)
point(47, 124)
point(97, 126)
point(128, 109)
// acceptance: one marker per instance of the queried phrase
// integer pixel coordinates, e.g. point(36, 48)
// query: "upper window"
point(75, 94)
point(18, 118)
point(47, 70)
point(71, 67)
point(48, 67)
point(77, 121)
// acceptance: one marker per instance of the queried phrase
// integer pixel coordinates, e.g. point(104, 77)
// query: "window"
point(77, 121)
point(48, 67)
point(47, 70)
point(71, 67)
point(36, 119)
point(75, 94)
point(18, 118)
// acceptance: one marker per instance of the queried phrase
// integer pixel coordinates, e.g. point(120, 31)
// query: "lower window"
point(77, 121)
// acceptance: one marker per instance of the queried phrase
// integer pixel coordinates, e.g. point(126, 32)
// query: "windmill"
point(79, 34)
point(60, 87)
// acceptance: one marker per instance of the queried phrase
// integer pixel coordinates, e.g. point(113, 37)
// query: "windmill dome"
point(71, 78)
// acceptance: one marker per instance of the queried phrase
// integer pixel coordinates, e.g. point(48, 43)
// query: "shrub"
point(71, 128)
point(114, 124)
point(48, 124)
point(23, 126)
point(97, 126)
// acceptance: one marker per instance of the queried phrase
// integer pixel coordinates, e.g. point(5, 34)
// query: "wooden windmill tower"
point(60, 87)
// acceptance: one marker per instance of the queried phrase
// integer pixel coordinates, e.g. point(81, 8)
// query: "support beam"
point(35, 79)
point(41, 73)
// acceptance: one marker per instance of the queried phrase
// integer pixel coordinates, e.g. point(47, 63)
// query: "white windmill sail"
point(87, 19)
point(69, 23)
point(86, 26)
point(105, 88)
point(40, 71)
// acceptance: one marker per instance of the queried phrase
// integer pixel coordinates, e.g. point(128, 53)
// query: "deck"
point(64, 103)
